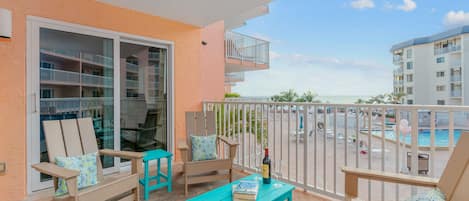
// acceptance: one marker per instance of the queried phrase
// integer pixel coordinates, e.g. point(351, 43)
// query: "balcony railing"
point(234, 77)
point(398, 82)
point(447, 49)
point(130, 67)
point(456, 93)
point(68, 77)
point(456, 78)
point(72, 105)
point(310, 143)
point(132, 84)
point(397, 59)
point(246, 48)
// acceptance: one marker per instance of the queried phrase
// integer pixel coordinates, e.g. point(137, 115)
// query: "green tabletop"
point(277, 191)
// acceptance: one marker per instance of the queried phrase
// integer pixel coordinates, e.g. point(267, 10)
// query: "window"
point(440, 60)
point(440, 74)
point(409, 53)
point(440, 102)
point(440, 88)
point(410, 65)
point(47, 93)
point(410, 102)
point(409, 90)
point(410, 78)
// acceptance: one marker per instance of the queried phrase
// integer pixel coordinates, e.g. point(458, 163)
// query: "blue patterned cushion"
point(86, 164)
point(433, 195)
point(204, 147)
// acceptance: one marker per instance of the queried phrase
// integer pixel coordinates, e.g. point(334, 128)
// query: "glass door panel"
point(143, 94)
point(76, 80)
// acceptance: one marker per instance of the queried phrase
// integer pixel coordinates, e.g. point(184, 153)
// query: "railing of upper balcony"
point(246, 48)
point(62, 105)
point(448, 49)
point(234, 77)
point(74, 78)
point(310, 143)
point(397, 59)
point(398, 82)
point(456, 93)
point(456, 78)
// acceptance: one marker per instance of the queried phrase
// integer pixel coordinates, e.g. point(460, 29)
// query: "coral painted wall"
point(198, 69)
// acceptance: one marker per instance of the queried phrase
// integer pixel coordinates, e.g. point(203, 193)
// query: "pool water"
point(441, 137)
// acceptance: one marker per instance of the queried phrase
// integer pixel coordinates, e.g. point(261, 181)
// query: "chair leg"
point(185, 185)
point(231, 175)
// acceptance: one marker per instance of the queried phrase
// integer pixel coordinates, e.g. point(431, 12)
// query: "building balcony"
point(456, 78)
point(448, 49)
point(61, 77)
point(245, 53)
point(456, 93)
point(73, 105)
point(398, 82)
point(310, 143)
point(234, 77)
point(397, 59)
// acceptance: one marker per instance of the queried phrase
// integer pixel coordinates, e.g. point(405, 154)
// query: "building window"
point(410, 78)
point(440, 102)
point(409, 90)
point(440, 60)
point(410, 102)
point(440, 74)
point(410, 65)
point(47, 93)
point(440, 88)
point(409, 53)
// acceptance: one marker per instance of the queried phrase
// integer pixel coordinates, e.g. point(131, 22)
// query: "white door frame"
point(33, 86)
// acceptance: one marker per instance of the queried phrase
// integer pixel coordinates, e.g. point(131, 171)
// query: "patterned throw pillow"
point(204, 147)
point(86, 164)
point(432, 195)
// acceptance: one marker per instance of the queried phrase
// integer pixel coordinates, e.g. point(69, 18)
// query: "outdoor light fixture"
point(5, 23)
point(204, 43)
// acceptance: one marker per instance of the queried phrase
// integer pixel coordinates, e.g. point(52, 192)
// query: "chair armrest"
point(353, 174)
point(183, 148)
point(121, 154)
point(55, 171)
point(228, 141)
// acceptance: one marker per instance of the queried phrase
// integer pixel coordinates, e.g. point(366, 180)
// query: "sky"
point(341, 47)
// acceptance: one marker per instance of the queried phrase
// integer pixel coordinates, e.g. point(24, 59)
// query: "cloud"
point(409, 5)
point(274, 55)
point(362, 4)
point(456, 18)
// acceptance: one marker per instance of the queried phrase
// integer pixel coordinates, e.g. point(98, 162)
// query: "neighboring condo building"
point(430, 70)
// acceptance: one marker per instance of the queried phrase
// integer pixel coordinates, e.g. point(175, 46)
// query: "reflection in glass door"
point(76, 80)
point(143, 94)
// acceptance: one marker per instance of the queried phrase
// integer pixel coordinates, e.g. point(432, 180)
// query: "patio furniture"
point(76, 137)
point(275, 191)
point(145, 181)
point(198, 123)
point(423, 162)
point(143, 137)
point(453, 182)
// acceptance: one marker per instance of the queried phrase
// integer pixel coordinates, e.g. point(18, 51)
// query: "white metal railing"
point(456, 78)
point(70, 105)
point(130, 67)
point(310, 143)
point(246, 48)
point(234, 77)
point(448, 49)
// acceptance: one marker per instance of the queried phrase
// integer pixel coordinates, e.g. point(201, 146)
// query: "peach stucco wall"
point(198, 69)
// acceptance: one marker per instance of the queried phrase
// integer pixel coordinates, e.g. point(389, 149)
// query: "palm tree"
point(309, 97)
point(288, 96)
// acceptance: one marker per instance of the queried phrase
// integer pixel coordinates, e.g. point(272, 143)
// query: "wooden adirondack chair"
point(209, 170)
point(453, 183)
point(74, 137)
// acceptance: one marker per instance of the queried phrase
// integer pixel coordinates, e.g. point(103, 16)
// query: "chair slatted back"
point(456, 173)
point(199, 124)
point(71, 137)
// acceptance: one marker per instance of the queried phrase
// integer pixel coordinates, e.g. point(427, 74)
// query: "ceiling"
point(196, 12)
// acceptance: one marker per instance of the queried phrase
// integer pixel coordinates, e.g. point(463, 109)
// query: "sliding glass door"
point(121, 82)
point(143, 97)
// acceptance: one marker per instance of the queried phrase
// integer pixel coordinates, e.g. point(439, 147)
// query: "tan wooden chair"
point(453, 183)
point(210, 170)
point(74, 137)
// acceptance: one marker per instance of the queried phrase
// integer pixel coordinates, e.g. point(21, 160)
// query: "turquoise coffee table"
point(276, 191)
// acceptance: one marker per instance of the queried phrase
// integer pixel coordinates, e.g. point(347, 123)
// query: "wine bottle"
point(266, 174)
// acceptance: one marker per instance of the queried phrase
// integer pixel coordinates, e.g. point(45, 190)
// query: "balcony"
point(456, 93)
point(245, 53)
point(61, 77)
point(73, 105)
point(397, 59)
point(447, 49)
point(398, 82)
point(234, 77)
point(310, 143)
point(456, 78)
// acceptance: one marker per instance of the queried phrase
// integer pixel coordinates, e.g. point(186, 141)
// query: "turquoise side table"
point(145, 181)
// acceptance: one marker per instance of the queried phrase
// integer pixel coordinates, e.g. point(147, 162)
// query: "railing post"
point(305, 154)
point(414, 146)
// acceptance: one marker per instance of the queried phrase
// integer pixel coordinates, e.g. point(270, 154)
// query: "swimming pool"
point(441, 137)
